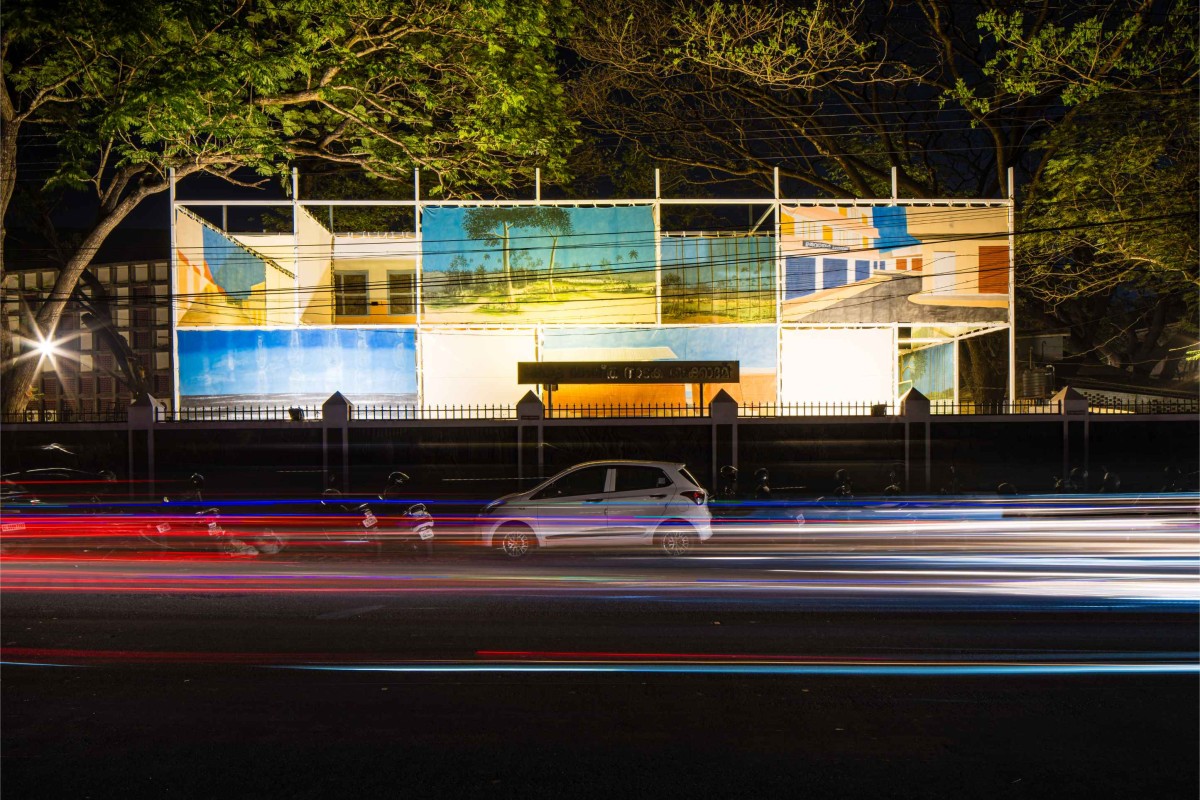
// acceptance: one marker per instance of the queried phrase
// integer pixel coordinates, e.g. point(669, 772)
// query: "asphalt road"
point(772, 673)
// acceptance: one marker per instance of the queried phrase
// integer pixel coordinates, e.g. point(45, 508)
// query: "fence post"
point(723, 410)
point(335, 416)
point(142, 415)
point(1071, 404)
point(915, 407)
point(529, 409)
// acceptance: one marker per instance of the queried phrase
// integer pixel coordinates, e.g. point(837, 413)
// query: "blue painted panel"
point(799, 276)
point(836, 273)
point(862, 270)
point(303, 365)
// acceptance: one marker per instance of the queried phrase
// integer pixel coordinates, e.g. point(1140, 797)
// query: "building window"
point(350, 293)
point(162, 385)
point(402, 293)
point(143, 340)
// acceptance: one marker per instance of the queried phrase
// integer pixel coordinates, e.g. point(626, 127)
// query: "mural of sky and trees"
point(544, 264)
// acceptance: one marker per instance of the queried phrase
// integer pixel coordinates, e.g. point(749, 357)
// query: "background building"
point(89, 377)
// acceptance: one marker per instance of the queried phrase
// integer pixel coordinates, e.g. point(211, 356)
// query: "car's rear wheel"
point(515, 540)
point(676, 539)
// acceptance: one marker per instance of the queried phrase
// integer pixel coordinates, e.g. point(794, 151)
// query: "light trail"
point(508, 661)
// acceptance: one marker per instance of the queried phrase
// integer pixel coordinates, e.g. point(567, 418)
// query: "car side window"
point(630, 479)
point(589, 480)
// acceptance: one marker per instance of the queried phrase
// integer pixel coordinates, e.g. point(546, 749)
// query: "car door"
point(638, 500)
point(571, 509)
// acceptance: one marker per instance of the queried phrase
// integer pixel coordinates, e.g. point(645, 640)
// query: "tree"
point(494, 226)
point(556, 222)
point(949, 94)
point(466, 91)
point(1111, 214)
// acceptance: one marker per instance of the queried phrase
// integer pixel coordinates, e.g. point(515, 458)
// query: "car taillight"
point(695, 496)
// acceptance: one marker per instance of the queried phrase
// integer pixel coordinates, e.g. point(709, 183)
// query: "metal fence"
point(1144, 406)
point(381, 412)
point(650, 410)
point(999, 407)
point(259, 413)
point(250, 413)
point(817, 409)
point(65, 415)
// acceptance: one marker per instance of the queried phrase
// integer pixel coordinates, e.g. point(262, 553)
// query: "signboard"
point(593, 372)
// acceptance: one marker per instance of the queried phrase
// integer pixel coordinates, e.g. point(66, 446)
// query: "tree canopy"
point(118, 93)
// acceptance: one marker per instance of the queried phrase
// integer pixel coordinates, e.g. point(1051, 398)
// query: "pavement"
point(1059, 668)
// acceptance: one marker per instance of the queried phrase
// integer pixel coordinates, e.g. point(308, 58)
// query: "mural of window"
point(799, 276)
point(350, 293)
point(402, 293)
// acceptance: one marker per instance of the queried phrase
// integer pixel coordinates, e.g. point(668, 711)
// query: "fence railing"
point(381, 412)
point(639, 410)
point(1180, 406)
point(999, 407)
point(250, 413)
point(878, 409)
point(64, 415)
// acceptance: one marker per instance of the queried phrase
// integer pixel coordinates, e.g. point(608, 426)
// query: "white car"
point(603, 504)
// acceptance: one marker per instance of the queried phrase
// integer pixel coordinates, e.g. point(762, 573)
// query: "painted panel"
point(498, 264)
point(474, 367)
point(832, 365)
point(753, 347)
point(718, 278)
point(905, 244)
point(930, 371)
point(298, 366)
point(221, 282)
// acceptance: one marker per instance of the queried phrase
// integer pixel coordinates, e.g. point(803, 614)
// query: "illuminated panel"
point(752, 347)
point(474, 367)
point(525, 264)
point(300, 366)
point(932, 264)
point(219, 281)
point(851, 365)
point(930, 371)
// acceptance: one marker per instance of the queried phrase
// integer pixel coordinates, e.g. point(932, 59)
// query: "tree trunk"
point(18, 380)
point(508, 284)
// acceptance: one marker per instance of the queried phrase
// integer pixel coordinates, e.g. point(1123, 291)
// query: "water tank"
point(1036, 383)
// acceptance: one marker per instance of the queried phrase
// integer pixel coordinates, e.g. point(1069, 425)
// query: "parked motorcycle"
point(205, 529)
point(385, 521)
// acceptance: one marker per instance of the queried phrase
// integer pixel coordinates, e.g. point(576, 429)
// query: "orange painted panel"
point(993, 269)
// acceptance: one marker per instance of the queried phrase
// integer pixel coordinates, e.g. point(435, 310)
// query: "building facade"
point(846, 302)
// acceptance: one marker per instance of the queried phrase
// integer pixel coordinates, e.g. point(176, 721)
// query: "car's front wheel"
point(676, 539)
point(515, 540)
